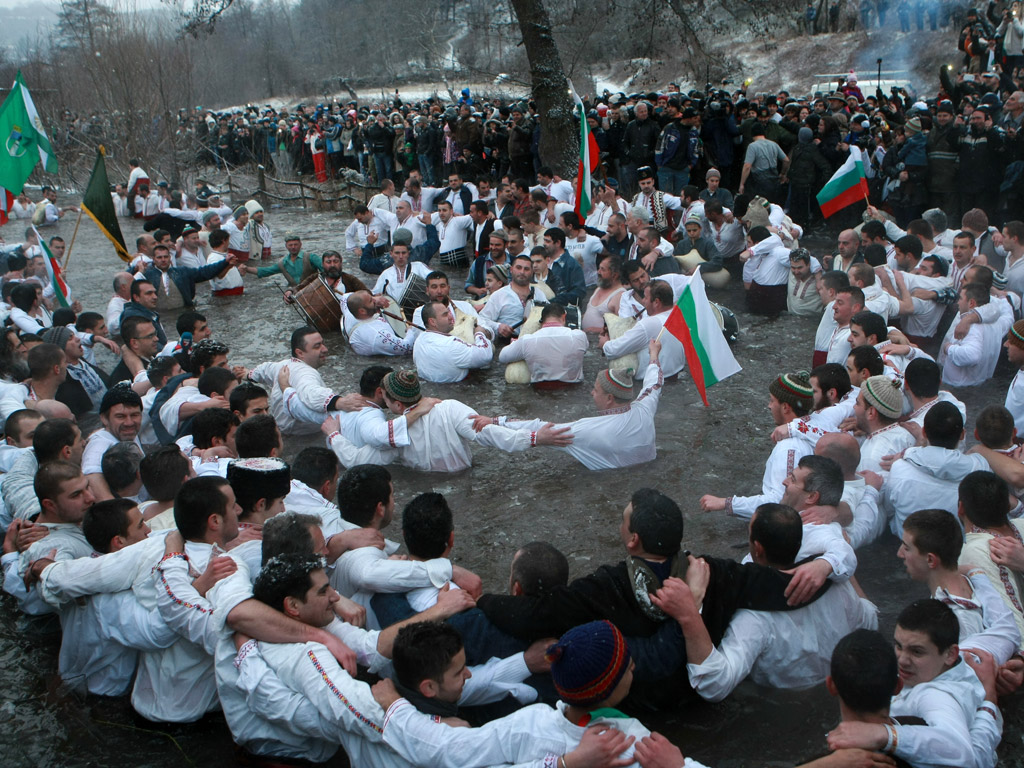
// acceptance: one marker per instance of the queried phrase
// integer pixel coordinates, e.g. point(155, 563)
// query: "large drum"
point(393, 318)
point(414, 295)
point(616, 327)
point(690, 261)
point(319, 304)
point(465, 326)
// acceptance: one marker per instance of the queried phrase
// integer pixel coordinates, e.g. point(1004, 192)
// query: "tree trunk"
point(559, 138)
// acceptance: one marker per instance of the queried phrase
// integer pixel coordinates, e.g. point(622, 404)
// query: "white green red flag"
point(847, 185)
point(589, 158)
point(693, 322)
point(61, 290)
point(24, 144)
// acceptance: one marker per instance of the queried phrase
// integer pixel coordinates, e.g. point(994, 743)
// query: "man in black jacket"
point(83, 389)
point(381, 139)
point(638, 142)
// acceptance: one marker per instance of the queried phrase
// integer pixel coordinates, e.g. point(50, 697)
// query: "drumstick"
point(393, 316)
point(293, 305)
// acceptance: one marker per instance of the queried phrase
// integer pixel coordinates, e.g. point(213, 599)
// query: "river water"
point(504, 501)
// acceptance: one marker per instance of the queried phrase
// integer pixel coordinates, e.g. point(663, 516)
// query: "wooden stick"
point(393, 316)
point(67, 254)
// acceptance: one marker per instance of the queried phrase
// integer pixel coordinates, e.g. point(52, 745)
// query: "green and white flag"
point(25, 141)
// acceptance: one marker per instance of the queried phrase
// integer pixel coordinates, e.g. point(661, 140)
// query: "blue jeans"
point(672, 182)
point(385, 164)
point(427, 169)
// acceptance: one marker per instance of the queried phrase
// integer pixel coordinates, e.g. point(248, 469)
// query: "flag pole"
point(71, 245)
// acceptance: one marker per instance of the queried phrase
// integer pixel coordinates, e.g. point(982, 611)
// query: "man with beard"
point(606, 297)
point(981, 161)
point(121, 416)
point(332, 275)
point(438, 290)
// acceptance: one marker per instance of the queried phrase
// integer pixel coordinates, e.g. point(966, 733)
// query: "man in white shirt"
point(879, 405)
point(971, 360)
point(553, 353)
point(443, 358)
point(789, 649)
point(560, 189)
point(930, 550)
point(657, 300)
point(238, 234)
point(453, 233)
point(928, 477)
point(439, 290)
point(848, 302)
point(308, 355)
point(916, 293)
point(121, 416)
point(122, 295)
point(510, 306)
point(367, 221)
point(765, 272)
point(1014, 402)
point(581, 245)
point(368, 332)
point(394, 280)
point(802, 297)
point(385, 199)
point(875, 299)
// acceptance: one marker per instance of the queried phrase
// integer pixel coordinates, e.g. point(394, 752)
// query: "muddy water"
point(502, 502)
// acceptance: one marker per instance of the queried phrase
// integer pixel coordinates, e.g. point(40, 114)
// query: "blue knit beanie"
point(588, 662)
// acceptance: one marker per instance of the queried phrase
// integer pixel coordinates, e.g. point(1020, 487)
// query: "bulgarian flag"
point(846, 187)
point(589, 158)
point(60, 288)
point(693, 322)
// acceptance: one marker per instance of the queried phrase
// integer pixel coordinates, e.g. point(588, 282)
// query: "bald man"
point(847, 254)
point(858, 512)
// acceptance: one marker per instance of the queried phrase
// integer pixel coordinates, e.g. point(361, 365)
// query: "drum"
point(399, 327)
point(690, 261)
point(726, 321)
point(518, 372)
point(617, 326)
point(319, 304)
point(414, 295)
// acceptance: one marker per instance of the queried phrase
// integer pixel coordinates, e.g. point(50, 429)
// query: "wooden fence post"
point(262, 186)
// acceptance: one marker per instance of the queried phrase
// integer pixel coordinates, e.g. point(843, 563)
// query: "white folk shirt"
point(769, 263)
point(638, 338)
point(189, 258)
point(619, 437)
point(552, 353)
point(169, 411)
point(783, 459)
point(361, 573)
point(883, 442)
point(372, 336)
point(425, 202)
point(986, 623)
point(506, 307)
point(729, 237)
point(238, 238)
point(802, 298)
point(371, 426)
point(439, 441)
point(562, 190)
point(927, 313)
point(598, 218)
point(782, 649)
point(1015, 401)
point(880, 302)
point(643, 200)
point(463, 306)
point(959, 730)
point(394, 281)
point(416, 228)
point(926, 478)
point(232, 279)
point(454, 234)
point(308, 384)
point(629, 306)
point(1008, 583)
point(868, 520)
point(99, 442)
point(387, 202)
point(294, 701)
point(917, 416)
point(356, 233)
point(585, 252)
point(446, 359)
point(838, 343)
point(971, 360)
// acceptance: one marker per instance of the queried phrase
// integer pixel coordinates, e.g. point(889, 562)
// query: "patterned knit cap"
point(58, 335)
point(617, 383)
point(884, 395)
point(403, 386)
point(1016, 334)
point(794, 389)
point(588, 662)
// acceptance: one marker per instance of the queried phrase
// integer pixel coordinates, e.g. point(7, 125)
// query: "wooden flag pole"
point(67, 254)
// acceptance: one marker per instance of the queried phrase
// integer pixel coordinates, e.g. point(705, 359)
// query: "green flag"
point(98, 203)
point(25, 142)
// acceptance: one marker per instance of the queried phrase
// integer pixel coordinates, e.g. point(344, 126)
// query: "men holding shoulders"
point(442, 357)
point(658, 303)
point(553, 353)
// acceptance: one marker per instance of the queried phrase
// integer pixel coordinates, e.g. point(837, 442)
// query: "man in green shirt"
point(296, 266)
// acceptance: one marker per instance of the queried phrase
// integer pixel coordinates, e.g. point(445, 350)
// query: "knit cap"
point(403, 386)
point(57, 335)
point(208, 216)
point(1016, 334)
point(804, 135)
point(913, 126)
point(884, 395)
point(240, 211)
point(794, 389)
point(588, 662)
point(291, 236)
point(253, 207)
point(189, 229)
point(402, 236)
point(713, 173)
point(617, 383)
point(500, 271)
